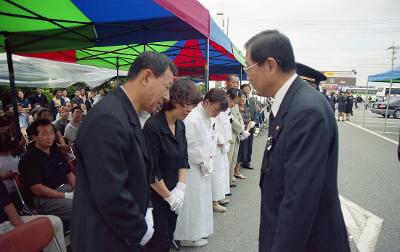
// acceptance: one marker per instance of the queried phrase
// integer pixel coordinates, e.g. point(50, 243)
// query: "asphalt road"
point(369, 175)
point(376, 123)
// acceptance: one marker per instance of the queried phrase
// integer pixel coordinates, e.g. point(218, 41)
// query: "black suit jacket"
point(300, 208)
point(113, 178)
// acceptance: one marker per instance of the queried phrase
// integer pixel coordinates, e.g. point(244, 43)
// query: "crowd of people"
point(197, 146)
point(42, 157)
point(150, 162)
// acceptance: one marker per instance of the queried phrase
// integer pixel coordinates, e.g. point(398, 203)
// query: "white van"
point(382, 93)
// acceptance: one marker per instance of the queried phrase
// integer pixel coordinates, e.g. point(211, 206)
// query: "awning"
point(33, 72)
point(386, 76)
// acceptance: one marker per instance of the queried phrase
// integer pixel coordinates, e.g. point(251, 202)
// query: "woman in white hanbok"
point(195, 220)
point(223, 131)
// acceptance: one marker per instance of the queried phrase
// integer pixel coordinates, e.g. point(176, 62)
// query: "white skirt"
point(218, 180)
point(195, 220)
point(227, 181)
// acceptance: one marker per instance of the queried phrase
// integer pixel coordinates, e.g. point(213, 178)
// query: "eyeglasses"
point(247, 68)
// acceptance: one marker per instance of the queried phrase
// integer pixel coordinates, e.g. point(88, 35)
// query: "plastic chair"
point(31, 236)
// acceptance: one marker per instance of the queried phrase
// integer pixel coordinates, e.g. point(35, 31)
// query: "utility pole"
point(394, 51)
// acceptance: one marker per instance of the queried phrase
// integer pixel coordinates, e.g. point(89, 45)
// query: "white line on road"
point(373, 133)
point(386, 132)
point(363, 226)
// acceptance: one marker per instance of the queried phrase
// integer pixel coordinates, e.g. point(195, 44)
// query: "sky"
point(328, 35)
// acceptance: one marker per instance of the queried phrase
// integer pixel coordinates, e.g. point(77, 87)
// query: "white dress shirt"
point(278, 98)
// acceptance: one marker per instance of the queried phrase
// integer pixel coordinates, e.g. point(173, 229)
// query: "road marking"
point(379, 121)
point(387, 132)
point(373, 133)
point(363, 226)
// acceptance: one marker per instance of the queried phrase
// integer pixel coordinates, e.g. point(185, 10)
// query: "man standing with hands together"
point(112, 210)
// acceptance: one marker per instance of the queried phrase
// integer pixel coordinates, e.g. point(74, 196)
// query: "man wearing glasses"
point(300, 208)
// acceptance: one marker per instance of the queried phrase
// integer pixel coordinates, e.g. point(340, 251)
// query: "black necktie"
point(270, 122)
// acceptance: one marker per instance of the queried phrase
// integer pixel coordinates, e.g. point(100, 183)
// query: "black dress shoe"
point(228, 194)
point(248, 167)
point(232, 185)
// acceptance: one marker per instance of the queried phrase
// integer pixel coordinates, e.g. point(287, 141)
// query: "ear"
point(145, 76)
point(272, 64)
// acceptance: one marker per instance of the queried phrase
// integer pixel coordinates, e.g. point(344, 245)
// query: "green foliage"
point(201, 88)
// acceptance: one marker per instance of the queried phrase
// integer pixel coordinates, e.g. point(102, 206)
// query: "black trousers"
point(164, 225)
point(249, 150)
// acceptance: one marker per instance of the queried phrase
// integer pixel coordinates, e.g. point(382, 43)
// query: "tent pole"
point(207, 66)
point(388, 100)
point(118, 71)
point(241, 75)
point(13, 88)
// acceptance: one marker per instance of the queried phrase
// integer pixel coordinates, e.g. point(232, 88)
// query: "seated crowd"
point(40, 163)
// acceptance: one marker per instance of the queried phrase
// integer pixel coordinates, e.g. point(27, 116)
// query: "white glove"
point(226, 148)
point(69, 195)
point(150, 227)
point(251, 124)
point(206, 169)
point(243, 135)
point(173, 202)
point(178, 193)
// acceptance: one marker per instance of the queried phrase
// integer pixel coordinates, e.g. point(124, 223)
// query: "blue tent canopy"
point(386, 76)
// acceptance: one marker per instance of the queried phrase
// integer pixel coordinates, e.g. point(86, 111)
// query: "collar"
point(143, 116)
point(278, 98)
point(203, 112)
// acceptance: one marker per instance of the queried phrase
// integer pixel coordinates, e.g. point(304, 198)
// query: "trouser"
point(249, 150)
point(55, 206)
point(232, 156)
point(57, 226)
point(164, 225)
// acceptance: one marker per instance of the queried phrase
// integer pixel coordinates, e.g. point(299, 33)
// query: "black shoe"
point(232, 185)
point(228, 194)
point(248, 167)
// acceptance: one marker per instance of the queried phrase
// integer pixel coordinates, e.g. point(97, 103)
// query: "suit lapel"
point(134, 120)
point(278, 122)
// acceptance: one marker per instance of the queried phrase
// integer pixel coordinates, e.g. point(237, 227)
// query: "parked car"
point(394, 107)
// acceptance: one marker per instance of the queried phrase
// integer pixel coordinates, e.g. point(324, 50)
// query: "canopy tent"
point(32, 72)
point(47, 25)
point(386, 76)
point(188, 55)
point(40, 26)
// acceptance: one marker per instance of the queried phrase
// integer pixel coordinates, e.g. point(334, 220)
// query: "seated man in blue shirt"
point(46, 171)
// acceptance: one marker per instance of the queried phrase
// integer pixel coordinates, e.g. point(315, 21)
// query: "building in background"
point(339, 80)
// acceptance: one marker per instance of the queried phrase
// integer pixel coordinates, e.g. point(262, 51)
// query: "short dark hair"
point(217, 95)
point(272, 43)
point(245, 85)
point(75, 108)
point(182, 92)
point(156, 62)
point(35, 124)
point(43, 111)
point(229, 76)
point(234, 92)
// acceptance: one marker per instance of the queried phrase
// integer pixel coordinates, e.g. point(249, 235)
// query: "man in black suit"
point(251, 104)
point(112, 209)
point(300, 208)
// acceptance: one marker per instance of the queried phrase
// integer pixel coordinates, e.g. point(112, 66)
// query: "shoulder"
point(153, 123)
